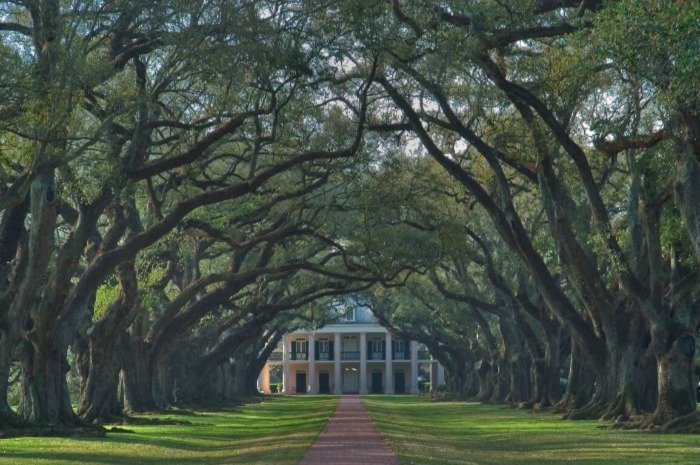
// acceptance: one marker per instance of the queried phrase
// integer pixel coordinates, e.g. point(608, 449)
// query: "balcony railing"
point(350, 355)
point(345, 355)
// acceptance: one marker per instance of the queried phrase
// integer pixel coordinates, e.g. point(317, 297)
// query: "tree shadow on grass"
point(263, 450)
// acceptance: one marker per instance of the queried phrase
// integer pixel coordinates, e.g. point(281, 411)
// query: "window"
point(400, 346)
point(300, 346)
point(324, 346)
point(376, 349)
point(348, 314)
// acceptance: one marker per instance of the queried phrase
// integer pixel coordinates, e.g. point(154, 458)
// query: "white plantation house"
point(353, 355)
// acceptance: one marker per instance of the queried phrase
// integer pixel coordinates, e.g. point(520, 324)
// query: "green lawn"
point(431, 433)
point(276, 431)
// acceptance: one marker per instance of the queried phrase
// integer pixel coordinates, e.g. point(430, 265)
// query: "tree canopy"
point(515, 184)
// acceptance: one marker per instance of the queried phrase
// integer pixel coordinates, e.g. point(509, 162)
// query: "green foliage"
point(656, 41)
point(105, 296)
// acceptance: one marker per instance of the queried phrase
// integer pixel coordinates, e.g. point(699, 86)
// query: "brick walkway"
point(349, 438)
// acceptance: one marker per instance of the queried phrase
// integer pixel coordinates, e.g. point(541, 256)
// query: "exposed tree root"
point(592, 411)
point(622, 409)
point(12, 421)
point(526, 405)
point(686, 424)
point(542, 406)
point(568, 403)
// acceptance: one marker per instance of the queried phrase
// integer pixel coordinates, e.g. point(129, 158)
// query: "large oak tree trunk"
point(579, 388)
point(135, 377)
point(8, 417)
point(550, 389)
point(457, 380)
point(13, 245)
point(162, 383)
point(99, 402)
point(45, 394)
point(675, 348)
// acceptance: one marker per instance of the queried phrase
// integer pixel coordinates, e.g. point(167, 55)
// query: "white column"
point(311, 378)
point(389, 366)
point(337, 382)
point(266, 379)
point(441, 374)
point(286, 354)
point(363, 363)
point(414, 367)
point(433, 374)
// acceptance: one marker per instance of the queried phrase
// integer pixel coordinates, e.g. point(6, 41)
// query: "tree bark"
point(687, 193)
point(579, 388)
point(99, 402)
point(677, 383)
point(45, 394)
point(135, 378)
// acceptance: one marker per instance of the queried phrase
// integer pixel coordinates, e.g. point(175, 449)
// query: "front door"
point(324, 384)
point(301, 382)
point(399, 382)
point(351, 381)
point(377, 382)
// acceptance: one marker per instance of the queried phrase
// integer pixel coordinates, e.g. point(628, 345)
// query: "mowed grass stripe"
point(275, 431)
point(440, 433)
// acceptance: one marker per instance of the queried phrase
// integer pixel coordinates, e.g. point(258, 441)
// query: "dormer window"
point(348, 315)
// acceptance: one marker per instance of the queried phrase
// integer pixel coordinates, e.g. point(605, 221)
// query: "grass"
point(279, 430)
point(275, 431)
point(440, 433)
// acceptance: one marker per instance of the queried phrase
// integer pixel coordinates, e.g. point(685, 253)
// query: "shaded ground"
point(436, 433)
point(276, 431)
point(349, 438)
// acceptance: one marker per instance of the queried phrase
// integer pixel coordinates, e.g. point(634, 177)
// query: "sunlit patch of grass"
point(275, 431)
point(440, 433)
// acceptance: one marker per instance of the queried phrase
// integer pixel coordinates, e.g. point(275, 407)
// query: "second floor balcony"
point(299, 356)
point(350, 355)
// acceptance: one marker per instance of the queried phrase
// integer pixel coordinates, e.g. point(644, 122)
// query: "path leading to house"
point(349, 438)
